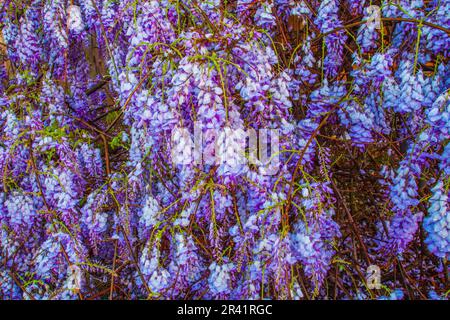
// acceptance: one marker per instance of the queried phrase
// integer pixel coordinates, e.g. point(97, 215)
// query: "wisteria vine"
point(93, 205)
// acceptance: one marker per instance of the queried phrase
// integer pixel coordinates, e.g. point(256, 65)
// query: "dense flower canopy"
point(93, 205)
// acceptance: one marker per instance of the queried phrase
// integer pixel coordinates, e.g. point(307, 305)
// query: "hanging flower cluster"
point(224, 149)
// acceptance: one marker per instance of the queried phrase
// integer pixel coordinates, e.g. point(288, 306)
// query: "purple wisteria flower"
point(224, 149)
